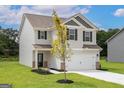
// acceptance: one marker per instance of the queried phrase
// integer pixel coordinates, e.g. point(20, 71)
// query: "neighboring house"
point(37, 34)
point(115, 48)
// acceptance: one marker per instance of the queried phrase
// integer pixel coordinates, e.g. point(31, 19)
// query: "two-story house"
point(36, 36)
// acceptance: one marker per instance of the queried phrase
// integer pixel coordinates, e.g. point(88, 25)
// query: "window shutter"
point(67, 34)
point(90, 36)
point(83, 35)
point(76, 35)
point(38, 34)
point(45, 34)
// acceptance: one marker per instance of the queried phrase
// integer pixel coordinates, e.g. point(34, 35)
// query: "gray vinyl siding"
point(83, 22)
point(71, 22)
point(116, 48)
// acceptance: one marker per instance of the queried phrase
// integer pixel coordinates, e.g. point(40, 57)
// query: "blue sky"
point(103, 16)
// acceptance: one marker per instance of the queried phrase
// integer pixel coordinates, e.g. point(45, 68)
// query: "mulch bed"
point(58, 70)
point(41, 71)
point(63, 81)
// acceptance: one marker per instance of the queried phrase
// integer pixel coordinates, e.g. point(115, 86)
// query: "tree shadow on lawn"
point(108, 69)
point(104, 69)
point(41, 71)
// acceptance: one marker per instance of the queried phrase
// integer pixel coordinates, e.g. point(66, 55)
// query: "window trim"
point(85, 36)
point(74, 33)
point(42, 34)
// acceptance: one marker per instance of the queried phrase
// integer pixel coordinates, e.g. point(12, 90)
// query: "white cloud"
point(62, 10)
point(84, 10)
point(10, 15)
point(119, 12)
point(97, 24)
point(103, 29)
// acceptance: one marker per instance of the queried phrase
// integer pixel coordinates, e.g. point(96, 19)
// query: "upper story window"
point(87, 36)
point(42, 34)
point(72, 34)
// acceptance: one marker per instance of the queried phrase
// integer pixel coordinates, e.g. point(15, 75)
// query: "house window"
point(72, 34)
point(42, 34)
point(87, 36)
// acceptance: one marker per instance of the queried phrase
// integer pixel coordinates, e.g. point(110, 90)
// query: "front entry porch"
point(41, 58)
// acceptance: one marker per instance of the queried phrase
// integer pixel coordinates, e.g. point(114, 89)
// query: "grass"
point(11, 72)
point(117, 67)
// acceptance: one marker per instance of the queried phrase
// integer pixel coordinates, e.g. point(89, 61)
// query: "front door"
point(40, 59)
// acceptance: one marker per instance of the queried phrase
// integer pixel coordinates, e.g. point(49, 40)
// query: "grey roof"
point(114, 36)
point(83, 22)
point(92, 46)
point(40, 21)
point(42, 46)
point(84, 46)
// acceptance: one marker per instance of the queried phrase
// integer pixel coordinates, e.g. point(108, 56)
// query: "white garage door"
point(82, 62)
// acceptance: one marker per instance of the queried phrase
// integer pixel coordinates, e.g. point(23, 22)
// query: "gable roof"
point(114, 36)
point(71, 22)
point(82, 20)
point(40, 21)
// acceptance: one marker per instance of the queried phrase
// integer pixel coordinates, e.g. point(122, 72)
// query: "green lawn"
point(12, 72)
point(117, 67)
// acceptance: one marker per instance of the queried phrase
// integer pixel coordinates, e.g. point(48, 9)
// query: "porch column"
point(36, 59)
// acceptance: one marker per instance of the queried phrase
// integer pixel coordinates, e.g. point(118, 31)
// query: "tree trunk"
point(65, 77)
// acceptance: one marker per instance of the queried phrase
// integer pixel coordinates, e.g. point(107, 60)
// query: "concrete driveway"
point(103, 75)
point(98, 74)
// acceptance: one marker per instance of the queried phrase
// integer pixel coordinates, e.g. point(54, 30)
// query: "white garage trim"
point(82, 61)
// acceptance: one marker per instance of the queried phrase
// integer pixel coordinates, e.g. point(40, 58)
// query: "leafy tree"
point(0, 27)
point(3, 43)
point(60, 46)
point(8, 44)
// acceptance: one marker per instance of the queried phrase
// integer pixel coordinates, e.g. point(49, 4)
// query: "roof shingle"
point(92, 46)
point(41, 46)
point(40, 21)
